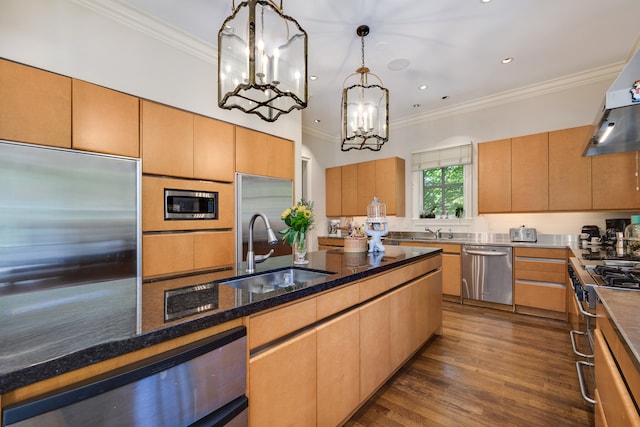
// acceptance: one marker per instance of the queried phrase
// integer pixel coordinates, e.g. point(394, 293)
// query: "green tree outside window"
point(443, 190)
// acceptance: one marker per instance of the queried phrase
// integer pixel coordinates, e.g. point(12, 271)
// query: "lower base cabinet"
point(282, 384)
point(321, 375)
point(338, 369)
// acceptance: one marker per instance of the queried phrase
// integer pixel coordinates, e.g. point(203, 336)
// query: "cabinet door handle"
point(583, 388)
point(486, 253)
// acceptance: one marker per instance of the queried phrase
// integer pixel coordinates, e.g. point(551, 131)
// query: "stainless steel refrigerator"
point(69, 251)
point(270, 196)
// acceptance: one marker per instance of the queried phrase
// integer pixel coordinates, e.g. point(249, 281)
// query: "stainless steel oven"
point(187, 204)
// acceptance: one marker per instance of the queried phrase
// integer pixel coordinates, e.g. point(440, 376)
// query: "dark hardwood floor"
point(489, 368)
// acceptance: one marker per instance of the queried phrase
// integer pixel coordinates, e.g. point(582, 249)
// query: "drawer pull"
point(581, 308)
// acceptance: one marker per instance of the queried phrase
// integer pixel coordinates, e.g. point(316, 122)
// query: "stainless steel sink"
point(285, 279)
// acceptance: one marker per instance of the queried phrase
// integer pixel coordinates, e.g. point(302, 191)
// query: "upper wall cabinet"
point(181, 144)
point(167, 140)
point(261, 154)
point(104, 120)
point(615, 181)
point(35, 106)
point(547, 173)
point(213, 149)
point(569, 171)
point(494, 176)
point(350, 188)
point(530, 173)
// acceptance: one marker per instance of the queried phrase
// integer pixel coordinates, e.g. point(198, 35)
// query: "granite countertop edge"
point(105, 351)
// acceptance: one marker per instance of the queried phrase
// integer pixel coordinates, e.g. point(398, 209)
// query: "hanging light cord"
point(637, 184)
point(233, 4)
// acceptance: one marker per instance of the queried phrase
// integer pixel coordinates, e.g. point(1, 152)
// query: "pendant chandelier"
point(365, 108)
point(262, 61)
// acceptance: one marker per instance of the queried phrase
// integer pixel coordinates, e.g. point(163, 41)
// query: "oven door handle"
point(582, 310)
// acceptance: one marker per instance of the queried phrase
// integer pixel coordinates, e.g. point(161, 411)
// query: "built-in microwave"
point(188, 204)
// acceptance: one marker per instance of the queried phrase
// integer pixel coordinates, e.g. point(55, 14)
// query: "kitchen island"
point(395, 297)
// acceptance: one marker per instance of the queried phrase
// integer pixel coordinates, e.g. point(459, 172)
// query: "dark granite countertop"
point(346, 267)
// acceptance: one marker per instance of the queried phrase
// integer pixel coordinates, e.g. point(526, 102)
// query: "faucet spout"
point(252, 258)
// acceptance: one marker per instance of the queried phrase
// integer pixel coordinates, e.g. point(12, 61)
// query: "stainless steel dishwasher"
point(487, 273)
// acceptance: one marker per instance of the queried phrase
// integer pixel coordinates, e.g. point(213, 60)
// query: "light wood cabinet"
point(375, 349)
point(451, 266)
point(614, 403)
point(35, 105)
point(530, 173)
point(494, 176)
point(333, 189)
point(540, 278)
point(261, 154)
point(349, 187)
point(251, 147)
point(280, 158)
point(569, 171)
point(403, 325)
point(390, 188)
point(213, 149)
point(153, 204)
point(104, 120)
point(282, 383)
point(167, 140)
point(366, 185)
point(614, 181)
point(174, 253)
point(338, 359)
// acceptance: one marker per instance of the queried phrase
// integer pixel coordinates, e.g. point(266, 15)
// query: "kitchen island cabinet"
point(293, 334)
point(344, 359)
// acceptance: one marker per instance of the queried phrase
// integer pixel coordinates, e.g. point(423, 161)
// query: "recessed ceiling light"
point(313, 77)
point(423, 87)
point(485, 1)
point(416, 105)
point(398, 64)
point(317, 120)
point(507, 60)
point(445, 97)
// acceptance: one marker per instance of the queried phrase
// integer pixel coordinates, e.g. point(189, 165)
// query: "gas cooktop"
point(600, 253)
point(616, 276)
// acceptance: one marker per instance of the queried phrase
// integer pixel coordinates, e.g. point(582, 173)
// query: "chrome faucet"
point(450, 234)
point(252, 258)
point(435, 233)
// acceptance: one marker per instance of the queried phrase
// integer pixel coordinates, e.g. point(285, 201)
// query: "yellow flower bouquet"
point(299, 220)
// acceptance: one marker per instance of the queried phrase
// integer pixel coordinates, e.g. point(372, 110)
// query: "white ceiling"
point(453, 46)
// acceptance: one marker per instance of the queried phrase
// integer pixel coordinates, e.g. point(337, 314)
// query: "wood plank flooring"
point(489, 368)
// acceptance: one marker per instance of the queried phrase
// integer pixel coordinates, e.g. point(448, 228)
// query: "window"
point(442, 182)
point(443, 191)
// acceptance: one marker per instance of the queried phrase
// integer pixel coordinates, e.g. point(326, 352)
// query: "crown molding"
point(151, 26)
point(608, 72)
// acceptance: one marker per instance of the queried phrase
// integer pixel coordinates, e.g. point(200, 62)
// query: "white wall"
point(575, 103)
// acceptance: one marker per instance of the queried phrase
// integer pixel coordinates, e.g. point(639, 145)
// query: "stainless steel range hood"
point(617, 127)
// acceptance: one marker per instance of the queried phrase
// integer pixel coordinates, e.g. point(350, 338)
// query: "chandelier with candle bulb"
point(365, 107)
point(262, 61)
